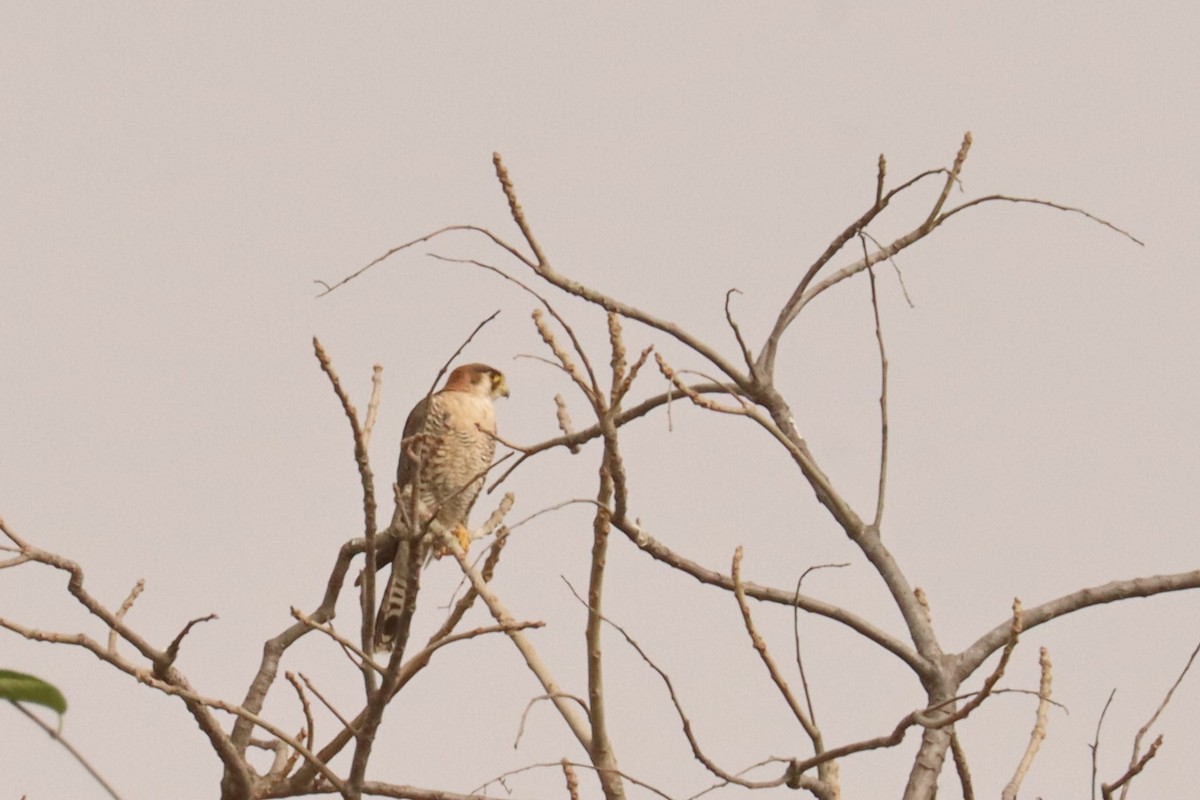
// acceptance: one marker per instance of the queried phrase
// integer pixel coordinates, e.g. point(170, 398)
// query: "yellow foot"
point(464, 537)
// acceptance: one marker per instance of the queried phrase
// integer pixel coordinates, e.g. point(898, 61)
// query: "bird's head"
point(478, 379)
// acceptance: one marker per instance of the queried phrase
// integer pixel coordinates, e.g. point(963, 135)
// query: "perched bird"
point(448, 444)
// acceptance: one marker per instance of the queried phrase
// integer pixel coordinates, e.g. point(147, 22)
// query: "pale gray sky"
point(175, 176)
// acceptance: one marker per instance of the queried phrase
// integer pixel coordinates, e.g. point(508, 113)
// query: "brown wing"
point(406, 469)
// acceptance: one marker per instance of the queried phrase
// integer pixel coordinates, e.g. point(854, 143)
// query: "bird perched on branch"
point(447, 447)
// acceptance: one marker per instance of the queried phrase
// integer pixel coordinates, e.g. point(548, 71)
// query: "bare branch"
point(309, 724)
point(545, 271)
point(553, 764)
point(373, 403)
point(879, 178)
point(137, 589)
point(78, 756)
point(760, 647)
point(534, 700)
point(737, 332)
point(960, 766)
point(883, 394)
point(367, 480)
point(564, 422)
point(1095, 746)
point(1037, 734)
point(1014, 633)
point(572, 779)
point(449, 228)
point(697, 752)
point(1137, 740)
point(657, 550)
point(970, 659)
point(532, 659)
point(796, 635)
point(172, 651)
point(470, 337)
point(541, 299)
point(1106, 789)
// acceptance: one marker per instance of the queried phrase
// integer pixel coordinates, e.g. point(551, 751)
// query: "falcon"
point(447, 447)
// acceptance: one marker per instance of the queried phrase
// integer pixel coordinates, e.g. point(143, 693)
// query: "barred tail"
point(396, 607)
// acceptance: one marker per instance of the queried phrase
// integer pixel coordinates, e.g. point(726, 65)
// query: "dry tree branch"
point(697, 399)
point(534, 701)
point(367, 479)
point(621, 419)
point(551, 764)
point(172, 651)
point(657, 550)
point(960, 767)
point(685, 721)
point(330, 707)
point(1137, 740)
point(528, 652)
point(57, 736)
point(895, 267)
point(1014, 633)
point(171, 680)
point(544, 270)
point(470, 337)
point(969, 660)
point(796, 635)
point(427, 237)
point(737, 332)
point(883, 394)
point(564, 422)
point(364, 658)
point(564, 360)
point(1037, 734)
point(394, 790)
point(880, 175)
point(373, 403)
point(1095, 745)
point(765, 364)
point(571, 778)
point(137, 589)
point(760, 646)
point(541, 299)
point(1106, 789)
point(310, 725)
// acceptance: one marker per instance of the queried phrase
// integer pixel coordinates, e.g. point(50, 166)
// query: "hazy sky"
point(175, 176)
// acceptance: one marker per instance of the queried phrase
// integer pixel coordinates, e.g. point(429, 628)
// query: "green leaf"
point(19, 687)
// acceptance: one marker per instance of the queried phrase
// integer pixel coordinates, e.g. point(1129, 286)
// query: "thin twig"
point(1106, 789)
point(883, 395)
point(78, 756)
point(367, 480)
point(760, 647)
point(309, 724)
point(437, 378)
point(328, 705)
point(698, 753)
point(1137, 740)
point(373, 403)
point(449, 228)
point(796, 635)
point(1095, 746)
point(137, 589)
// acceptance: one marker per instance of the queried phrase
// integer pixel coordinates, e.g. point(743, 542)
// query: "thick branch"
point(969, 660)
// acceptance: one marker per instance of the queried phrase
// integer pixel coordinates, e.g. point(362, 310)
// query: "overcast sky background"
point(176, 176)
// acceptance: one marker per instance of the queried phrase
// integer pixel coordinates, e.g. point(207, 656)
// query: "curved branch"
point(969, 660)
point(785, 597)
point(544, 270)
